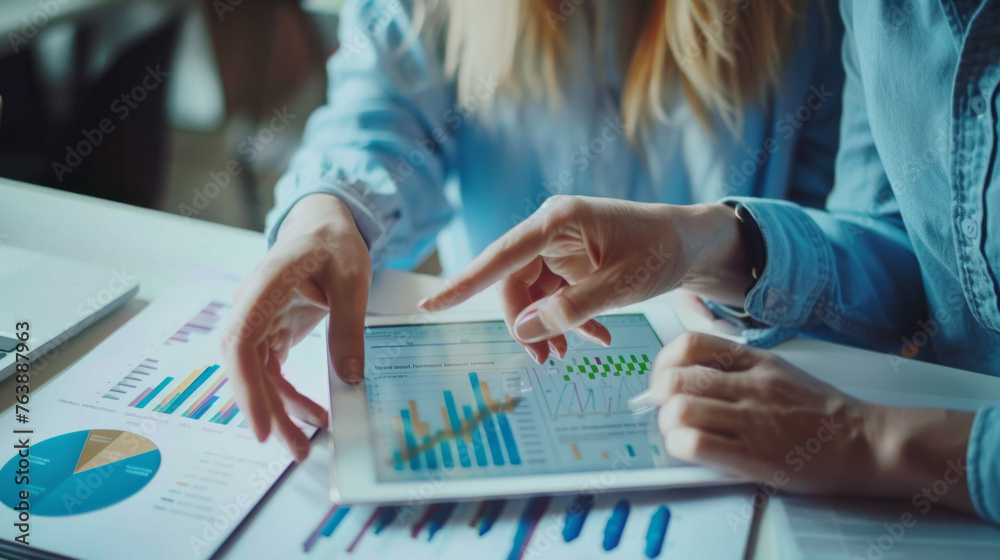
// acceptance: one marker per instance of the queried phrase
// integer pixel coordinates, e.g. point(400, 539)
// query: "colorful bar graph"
point(411, 439)
point(141, 396)
point(203, 323)
point(488, 426)
point(152, 394)
point(206, 397)
point(456, 428)
point(201, 409)
point(184, 384)
point(477, 439)
point(186, 393)
point(226, 413)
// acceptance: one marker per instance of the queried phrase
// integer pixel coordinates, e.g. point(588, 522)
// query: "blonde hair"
point(725, 54)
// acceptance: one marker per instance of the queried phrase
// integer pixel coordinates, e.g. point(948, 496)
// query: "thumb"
point(345, 333)
point(566, 309)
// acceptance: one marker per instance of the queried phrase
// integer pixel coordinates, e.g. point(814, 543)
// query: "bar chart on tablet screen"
point(467, 398)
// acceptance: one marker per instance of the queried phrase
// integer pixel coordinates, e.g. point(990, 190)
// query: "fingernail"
point(530, 328)
point(422, 304)
point(555, 350)
point(354, 369)
point(589, 337)
point(533, 354)
point(642, 403)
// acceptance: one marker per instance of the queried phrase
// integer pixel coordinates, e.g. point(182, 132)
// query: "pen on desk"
point(327, 526)
point(526, 525)
point(576, 514)
point(364, 529)
point(422, 522)
point(491, 510)
point(616, 525)
point(386, 515)
point(657, 532)
point(439, 518)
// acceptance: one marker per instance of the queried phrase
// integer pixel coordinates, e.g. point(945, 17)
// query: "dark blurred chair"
point(42, 138)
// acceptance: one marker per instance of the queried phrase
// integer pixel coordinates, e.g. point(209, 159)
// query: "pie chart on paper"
point(83, 471)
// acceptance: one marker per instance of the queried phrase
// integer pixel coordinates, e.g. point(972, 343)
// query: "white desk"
point(159, 248)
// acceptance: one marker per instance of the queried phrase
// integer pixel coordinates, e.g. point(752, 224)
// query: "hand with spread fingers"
point(319, 267)
point(577, 257)
point(751, 413)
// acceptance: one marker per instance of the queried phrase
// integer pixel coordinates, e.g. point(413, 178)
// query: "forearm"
point(719, 268)
point(920, 454)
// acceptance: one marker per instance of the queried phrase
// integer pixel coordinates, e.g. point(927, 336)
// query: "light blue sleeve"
point(382, 143)
point(848, 273)
point(983, 463)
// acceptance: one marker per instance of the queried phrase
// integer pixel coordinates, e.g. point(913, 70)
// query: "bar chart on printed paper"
point(175, 380)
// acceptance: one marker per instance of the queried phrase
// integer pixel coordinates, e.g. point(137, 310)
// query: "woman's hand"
point(748, 412)
point(577, 257)
point(318, 267)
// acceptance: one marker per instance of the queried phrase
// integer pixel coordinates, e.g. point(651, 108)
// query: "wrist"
point(316, 214)
point(920, 450)
point(711, 240)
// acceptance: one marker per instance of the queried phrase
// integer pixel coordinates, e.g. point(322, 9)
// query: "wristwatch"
point(753, 241)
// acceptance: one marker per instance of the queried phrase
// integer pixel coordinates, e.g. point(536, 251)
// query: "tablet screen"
point(464, 398)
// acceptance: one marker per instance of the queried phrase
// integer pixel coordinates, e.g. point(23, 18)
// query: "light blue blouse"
point(412, 160)
point(907, 256)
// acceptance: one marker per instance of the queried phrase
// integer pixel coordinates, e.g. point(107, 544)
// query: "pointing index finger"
point(505, 256)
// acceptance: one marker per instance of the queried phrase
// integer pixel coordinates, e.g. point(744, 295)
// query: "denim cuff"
point(757, 334)
point(352, 193)
point(799, 263)
point(983, 463)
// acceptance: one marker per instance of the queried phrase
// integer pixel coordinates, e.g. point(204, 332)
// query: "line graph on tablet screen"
point(467, 399)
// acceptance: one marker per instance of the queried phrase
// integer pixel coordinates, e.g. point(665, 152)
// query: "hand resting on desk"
point(319, 266)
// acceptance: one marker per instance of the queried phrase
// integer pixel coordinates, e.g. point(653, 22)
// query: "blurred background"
point(188, 106)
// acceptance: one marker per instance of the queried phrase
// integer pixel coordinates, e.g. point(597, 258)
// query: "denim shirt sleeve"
point(983, 463)
point(848, 273)
point(379, 144)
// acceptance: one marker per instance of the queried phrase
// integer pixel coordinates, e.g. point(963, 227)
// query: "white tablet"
point(458, 410)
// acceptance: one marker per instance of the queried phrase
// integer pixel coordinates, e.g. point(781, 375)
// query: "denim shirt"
point(411, 160)
point(907, 256)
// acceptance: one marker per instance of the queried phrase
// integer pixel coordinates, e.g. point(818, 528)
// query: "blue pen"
point(334, 520)
point(657, 532)
point(532, 514)
point(439, 518)
point(576, 514)
point(384, 517)
point(616, 525)
point(491, 511)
